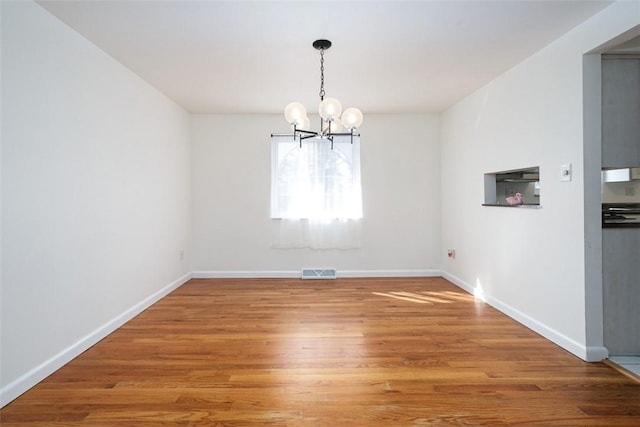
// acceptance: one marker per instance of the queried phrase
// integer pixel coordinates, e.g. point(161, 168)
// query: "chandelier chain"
point(321, 74)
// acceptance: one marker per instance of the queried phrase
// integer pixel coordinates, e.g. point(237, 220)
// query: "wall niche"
point(513, 188)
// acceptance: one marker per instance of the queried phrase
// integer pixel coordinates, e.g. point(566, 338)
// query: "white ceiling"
point(255, 57)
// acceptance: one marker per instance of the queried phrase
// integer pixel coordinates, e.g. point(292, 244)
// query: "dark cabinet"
point(621, 290)
point(620, 111)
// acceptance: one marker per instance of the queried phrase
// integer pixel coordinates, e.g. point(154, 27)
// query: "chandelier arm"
point(299, 132)
point(309, 136)
point(344, 134)
point(303, 134)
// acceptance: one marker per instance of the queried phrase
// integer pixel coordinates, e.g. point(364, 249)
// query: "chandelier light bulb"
point(352, 118)
point(330, 109)
point(335, 126)
point(305, 124)
point(295, 113)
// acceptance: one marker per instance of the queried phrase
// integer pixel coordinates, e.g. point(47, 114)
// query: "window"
point(314, 181)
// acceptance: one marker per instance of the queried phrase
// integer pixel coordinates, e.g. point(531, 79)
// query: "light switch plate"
point(565, 173)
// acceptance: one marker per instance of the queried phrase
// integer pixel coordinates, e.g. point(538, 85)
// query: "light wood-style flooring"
point(346, 352)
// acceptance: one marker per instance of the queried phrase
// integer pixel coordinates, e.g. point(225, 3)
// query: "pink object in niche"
point(515, 200)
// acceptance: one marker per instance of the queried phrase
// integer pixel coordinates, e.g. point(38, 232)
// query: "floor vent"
point(318, 273)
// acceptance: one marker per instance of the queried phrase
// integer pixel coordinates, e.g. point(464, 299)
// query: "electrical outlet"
point(451, 253)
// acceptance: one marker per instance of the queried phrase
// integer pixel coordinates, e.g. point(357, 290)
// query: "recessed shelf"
point(497, 205)
point(521, 186)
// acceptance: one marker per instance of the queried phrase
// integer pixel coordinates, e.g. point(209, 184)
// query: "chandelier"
point(333, 121)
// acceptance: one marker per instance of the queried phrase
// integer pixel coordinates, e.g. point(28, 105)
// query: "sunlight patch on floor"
point(446, 297)
point(405, 298)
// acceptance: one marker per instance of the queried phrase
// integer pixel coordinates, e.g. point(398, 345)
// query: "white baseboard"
point(293, 274)
point(596, 354)
point(37, 374)
point(254, 274)
point(389, 273)
point(458, 282)
point(589, 354)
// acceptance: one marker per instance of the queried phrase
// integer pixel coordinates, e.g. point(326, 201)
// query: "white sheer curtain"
point(316, 195)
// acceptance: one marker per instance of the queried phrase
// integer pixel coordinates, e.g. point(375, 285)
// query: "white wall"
point(530, 263)
point(401, 193)
point(95, 195)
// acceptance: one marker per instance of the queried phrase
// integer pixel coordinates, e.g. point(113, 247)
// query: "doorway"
point(605, 309)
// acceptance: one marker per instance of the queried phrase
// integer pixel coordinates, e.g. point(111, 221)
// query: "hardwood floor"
point(346, 352)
